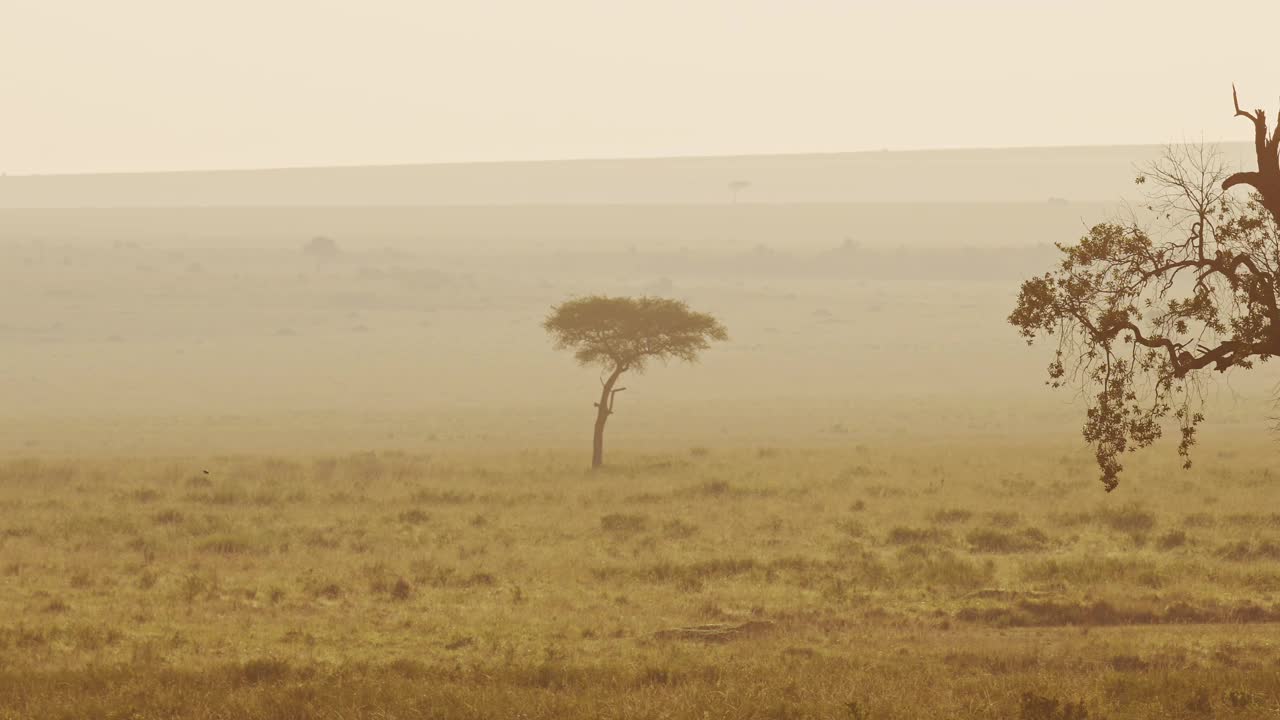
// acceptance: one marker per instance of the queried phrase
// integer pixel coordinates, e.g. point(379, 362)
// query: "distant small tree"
point(621, 334)
point(736, 187)
point(321, 247)
point(1140, 314)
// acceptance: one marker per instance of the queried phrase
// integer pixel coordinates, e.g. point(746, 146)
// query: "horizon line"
point(595, 159)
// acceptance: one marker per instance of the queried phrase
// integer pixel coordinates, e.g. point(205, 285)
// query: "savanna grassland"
point(870, 581)
point(243, 479)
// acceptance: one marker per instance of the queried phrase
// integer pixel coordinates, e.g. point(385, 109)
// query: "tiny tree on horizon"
point(1141, 314)
point(322, 247)
point(622, 334)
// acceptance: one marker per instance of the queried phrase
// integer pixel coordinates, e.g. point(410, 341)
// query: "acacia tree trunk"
point(604, 409)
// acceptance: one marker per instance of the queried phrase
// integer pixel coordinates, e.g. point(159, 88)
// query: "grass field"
point(955, 580)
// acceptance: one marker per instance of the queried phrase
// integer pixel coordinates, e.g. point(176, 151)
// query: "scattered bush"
point(145, 495)
point(226, 545)
point(1088, 570)
point(1038, 707)
point(80, 579)
point(167, 517)
point(1171, 540)
point(433, 496)
point(989, 540)
point(1129, 664)
point(715, 488)
point(623, 523)
point(1130, 518)
point(851, 527)
point(401, 590)
point(1003, 518)
point(916, 536)
point(324, 589)
point(952, 516)
point(918, 564)
point(256, 672)
point(678, 529)
point(1199, 520)
point(194, 585)
point(1244, 551)
point(414, 517)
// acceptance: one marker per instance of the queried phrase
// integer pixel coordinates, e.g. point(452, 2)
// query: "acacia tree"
point(621, 334)
point(1142, 314)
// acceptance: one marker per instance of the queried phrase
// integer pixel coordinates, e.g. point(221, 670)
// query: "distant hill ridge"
point(1074, 174)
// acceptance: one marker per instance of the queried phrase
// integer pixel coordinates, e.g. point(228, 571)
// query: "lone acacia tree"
point(1142, 314)
point(621, 334)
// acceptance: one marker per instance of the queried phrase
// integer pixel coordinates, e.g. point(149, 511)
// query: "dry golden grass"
point(901, 581)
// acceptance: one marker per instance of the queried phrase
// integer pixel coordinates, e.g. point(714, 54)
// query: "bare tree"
point(621, 334)
point(1140, 312)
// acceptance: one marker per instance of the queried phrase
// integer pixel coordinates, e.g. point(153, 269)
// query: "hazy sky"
point(107, 85)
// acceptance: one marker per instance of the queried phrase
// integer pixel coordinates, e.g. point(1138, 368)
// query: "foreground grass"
point(898, 582)
point(1024, 683)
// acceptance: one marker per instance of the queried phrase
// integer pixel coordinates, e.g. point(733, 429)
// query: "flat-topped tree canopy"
point(623, 333)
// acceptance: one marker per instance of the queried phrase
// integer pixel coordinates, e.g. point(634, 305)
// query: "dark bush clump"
point(1038, 707)
point(988, 540)
point(951, 516)
point(915, 536)
point(1172, 539)
point(623, 523)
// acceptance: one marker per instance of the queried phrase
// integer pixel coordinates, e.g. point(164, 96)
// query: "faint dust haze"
point(932, 344)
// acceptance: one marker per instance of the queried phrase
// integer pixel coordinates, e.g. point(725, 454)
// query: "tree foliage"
point(624, 334)
point(1142, 310)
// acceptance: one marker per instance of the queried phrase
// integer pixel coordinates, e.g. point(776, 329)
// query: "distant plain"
point(865, 505)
